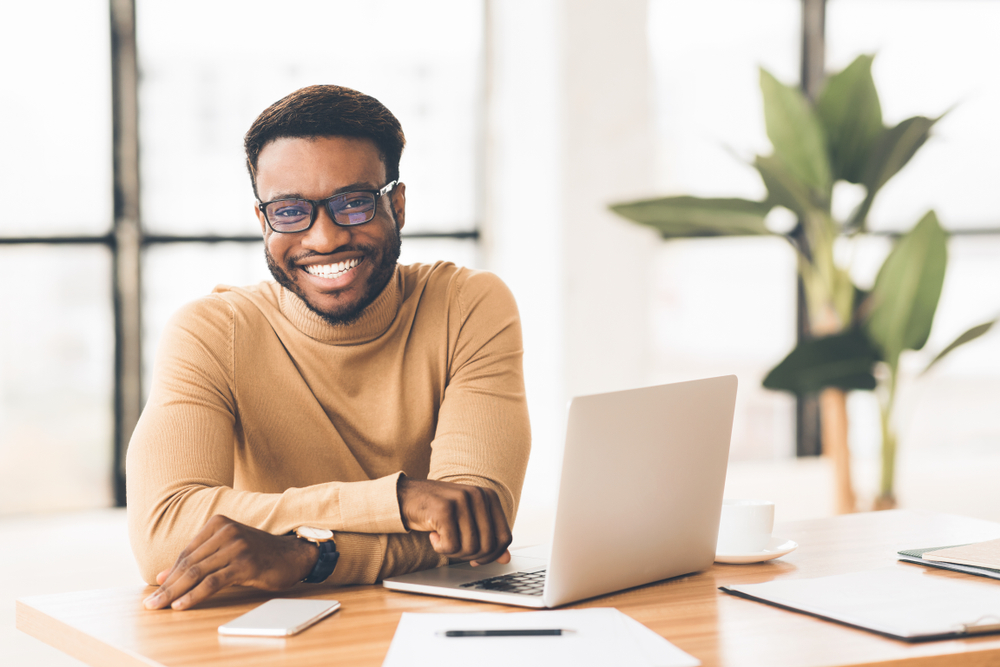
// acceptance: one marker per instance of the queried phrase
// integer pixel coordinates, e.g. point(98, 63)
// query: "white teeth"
point(332, 270)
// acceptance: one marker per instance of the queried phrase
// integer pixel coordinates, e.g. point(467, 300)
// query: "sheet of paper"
point(657, 650)
point(601, 637)
point(980, 554)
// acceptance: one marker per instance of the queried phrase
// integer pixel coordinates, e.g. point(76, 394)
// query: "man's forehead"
point(319, 162)
point(353, 146)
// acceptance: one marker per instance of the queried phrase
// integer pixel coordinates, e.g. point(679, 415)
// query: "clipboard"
point(897, 602)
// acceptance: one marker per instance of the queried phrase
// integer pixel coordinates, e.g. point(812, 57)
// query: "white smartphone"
point(280, 618)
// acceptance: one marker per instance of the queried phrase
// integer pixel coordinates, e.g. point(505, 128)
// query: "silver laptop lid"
point(641, 487)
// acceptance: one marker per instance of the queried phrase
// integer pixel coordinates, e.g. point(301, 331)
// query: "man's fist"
point(225, 553)
point(465, 522)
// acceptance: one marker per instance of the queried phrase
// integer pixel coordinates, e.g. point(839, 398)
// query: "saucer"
point(777, 547)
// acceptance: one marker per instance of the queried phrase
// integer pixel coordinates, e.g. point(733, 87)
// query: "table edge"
point(73, 642)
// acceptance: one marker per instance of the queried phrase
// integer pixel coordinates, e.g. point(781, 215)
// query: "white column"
point(568, 132)
point(607, 156)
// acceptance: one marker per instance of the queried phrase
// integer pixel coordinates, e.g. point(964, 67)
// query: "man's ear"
point(398, 203)
point(260, 218)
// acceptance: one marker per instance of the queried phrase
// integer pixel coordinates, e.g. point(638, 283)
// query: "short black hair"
point(327, 111)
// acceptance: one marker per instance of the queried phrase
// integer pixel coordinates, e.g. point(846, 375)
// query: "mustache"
point(366, 250)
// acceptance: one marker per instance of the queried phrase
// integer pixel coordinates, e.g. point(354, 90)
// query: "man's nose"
point(325, 236)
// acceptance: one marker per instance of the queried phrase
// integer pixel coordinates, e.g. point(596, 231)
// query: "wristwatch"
point(328, 554)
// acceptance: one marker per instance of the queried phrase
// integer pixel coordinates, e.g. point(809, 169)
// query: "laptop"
point(640, 495)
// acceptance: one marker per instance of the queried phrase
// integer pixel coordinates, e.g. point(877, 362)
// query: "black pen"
point(507, 633)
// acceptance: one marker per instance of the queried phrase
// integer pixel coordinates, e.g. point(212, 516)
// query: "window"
point(206, 70)
point(723, 306)
point(56, 333)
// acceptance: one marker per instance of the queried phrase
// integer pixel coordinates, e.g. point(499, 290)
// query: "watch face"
point(317, 534)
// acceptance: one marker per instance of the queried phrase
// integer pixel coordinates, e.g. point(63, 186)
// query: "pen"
point(507, 633)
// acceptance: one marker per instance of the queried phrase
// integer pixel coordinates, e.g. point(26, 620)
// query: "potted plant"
point(839, 137)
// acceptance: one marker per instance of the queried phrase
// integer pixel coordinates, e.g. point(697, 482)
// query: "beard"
point(384, 259)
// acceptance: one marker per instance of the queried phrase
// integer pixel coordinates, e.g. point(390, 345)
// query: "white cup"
point(745, 526)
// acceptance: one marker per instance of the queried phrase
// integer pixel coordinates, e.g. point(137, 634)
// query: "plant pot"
point(833, 418)
point(884, 503)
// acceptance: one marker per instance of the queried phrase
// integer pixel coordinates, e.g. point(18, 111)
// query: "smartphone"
point(280, 618)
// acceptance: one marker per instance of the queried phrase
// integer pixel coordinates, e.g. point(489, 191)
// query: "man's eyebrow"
point(365, 186)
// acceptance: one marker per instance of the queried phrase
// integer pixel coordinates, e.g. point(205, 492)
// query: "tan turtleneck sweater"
point(262, 411)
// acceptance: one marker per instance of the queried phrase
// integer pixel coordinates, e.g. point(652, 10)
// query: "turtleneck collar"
point(374, 320)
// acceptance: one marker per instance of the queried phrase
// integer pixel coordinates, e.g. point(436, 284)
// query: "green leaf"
point(796, 134)
point(970, 335)
point(684, 217)
point(849, 109)
point(783, 189)
point(907, 289)
point(844, 360)
point(894, 148)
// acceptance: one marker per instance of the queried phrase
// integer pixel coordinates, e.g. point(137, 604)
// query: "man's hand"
point(225, 553)
point(465, 522)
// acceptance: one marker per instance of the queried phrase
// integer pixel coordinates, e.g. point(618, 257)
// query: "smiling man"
point(354, 419)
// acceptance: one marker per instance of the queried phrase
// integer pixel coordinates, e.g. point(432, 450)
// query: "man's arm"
point(465, 523)
point(181, 461)
point(483, 437)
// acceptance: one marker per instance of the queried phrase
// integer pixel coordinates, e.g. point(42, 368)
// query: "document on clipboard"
point(898, 602)
point(917, 556)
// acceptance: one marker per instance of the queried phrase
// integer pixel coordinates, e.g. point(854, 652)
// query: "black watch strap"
point(328, 556)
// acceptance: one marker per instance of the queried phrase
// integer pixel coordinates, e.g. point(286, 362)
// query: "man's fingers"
point(486, 542)
point(209, 584)
point(452, 521)
point(471, 511)
point(199, 560)
point(465, 522)
point(187, 577)
point(500, 532)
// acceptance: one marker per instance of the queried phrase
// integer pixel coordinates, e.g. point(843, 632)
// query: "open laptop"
point(640, 496)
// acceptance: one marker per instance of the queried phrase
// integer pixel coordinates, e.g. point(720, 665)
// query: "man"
point(356, 399)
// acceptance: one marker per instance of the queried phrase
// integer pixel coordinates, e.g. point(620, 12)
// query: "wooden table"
point(110, 628)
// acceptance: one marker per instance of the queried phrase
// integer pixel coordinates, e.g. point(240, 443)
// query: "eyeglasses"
point(347, 209)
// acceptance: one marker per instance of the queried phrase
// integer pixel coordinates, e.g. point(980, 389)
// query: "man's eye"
point(352, 203)
point(291, 211)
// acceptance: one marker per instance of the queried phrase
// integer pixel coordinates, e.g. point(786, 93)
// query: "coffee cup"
point(745, 526)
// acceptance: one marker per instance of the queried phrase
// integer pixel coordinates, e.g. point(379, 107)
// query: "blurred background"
point(524, 120)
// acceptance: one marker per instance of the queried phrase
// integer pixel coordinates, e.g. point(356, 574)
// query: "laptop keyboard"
point(525, 583)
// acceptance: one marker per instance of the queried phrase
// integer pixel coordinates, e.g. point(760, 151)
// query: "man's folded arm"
point(483, 436)
point(180, 465)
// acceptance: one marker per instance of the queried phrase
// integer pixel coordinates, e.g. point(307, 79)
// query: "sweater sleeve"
point(483, 436)
point(180, 463)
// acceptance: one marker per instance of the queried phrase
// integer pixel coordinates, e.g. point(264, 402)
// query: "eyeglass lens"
point(291, 215)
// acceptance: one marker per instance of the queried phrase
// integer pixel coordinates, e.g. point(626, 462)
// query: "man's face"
point(337, 271)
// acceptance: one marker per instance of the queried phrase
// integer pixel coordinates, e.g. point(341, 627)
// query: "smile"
point(332, 270)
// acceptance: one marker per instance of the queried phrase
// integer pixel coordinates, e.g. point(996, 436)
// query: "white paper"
point(601, 637)
point(658, 651)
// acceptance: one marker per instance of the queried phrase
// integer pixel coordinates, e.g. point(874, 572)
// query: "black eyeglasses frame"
point(318, 203)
